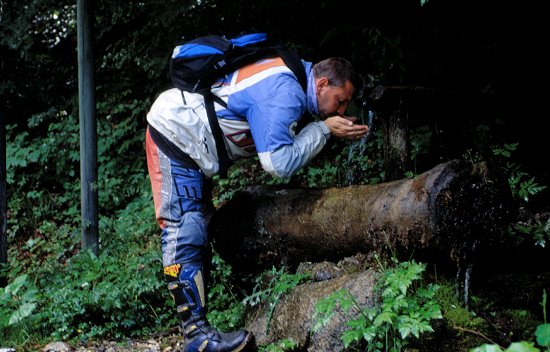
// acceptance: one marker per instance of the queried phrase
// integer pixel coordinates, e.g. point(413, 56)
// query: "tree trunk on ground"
point(438, 216)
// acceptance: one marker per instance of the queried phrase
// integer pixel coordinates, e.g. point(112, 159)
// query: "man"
point(264, 104)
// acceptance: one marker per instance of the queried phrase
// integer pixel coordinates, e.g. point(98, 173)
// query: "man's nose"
point(342, 109)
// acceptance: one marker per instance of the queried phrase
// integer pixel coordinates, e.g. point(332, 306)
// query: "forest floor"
point(507, 290)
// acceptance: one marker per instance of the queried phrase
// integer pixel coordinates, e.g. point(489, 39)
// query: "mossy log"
point(437, 216)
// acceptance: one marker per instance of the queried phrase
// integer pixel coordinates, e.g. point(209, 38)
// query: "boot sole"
point(247, 339)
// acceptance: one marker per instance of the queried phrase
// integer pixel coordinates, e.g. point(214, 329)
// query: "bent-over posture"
point(264, 104)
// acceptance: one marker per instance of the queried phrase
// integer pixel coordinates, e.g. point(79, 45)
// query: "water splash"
point(357, 148)
point(465, 270)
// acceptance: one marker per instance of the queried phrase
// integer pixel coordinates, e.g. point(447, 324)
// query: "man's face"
point(333, 100)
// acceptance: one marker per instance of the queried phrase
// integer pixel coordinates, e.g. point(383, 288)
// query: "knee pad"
point(187, 288)
point(185, 241)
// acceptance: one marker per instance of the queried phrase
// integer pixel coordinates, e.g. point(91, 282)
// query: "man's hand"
point(345, 127)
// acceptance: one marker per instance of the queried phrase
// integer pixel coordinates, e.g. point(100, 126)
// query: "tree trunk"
point(438, 216)
point(397, 158)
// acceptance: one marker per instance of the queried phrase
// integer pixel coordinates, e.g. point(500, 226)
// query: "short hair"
point(338, 70)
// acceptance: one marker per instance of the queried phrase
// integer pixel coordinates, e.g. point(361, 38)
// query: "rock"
point(293, 315)
point(58, 346)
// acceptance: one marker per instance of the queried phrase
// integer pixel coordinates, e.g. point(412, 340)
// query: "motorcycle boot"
point(189, 295)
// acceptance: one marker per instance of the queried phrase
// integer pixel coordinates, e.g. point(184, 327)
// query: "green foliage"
point(543, 331)
point(279, 346)
point(472, 156)
point(67, 293)
point(523, 187)
point(521, 183)
point(320, 175)
point(16, 302)
point(225, 307)
point(505, 150)
point(542, 334)
point(403, 311)
point(242, 173)
point(44, 180)
point(48, 185)
point(539, 231)
point(453, 310)
point(103, 297)
point(346, 163)
point(514, 347)
point(55, 289)
point(271, 286)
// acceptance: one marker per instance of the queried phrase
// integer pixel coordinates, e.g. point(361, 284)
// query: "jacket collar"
point(311, 97)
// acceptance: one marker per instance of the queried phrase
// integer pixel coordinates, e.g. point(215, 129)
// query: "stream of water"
point(357, 148)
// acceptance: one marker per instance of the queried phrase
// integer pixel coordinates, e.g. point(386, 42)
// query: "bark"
point(397, 158)
point(392, 105)
point(438, 216)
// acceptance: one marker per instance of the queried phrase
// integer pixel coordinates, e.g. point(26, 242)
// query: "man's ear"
point(321, 84)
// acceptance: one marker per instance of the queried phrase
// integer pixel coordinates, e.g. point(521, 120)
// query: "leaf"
point(543, 335)
point(405, 331)
point(384, 317)
point(21, 313)
point(522, 346)
point(14, 287)
point(487, 348)
point(351, 336)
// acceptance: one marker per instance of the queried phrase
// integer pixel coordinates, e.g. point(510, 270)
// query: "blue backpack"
point(197, 64)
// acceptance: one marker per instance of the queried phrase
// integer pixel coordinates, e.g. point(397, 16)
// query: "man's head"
point(336, 84)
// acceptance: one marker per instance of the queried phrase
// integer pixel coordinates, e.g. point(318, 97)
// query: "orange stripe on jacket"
point(153, 166)
point(257, 67)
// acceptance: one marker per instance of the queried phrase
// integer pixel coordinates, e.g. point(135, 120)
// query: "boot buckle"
point(203, 346)
point(184, 308)
point(189, 329)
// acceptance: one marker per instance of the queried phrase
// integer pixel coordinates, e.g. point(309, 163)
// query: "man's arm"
point(286, 160)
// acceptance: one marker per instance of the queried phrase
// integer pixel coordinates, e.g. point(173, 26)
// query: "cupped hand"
point(345, 127)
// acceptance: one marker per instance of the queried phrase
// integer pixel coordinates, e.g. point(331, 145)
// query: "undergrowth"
point(403, 310)
point(58, 290)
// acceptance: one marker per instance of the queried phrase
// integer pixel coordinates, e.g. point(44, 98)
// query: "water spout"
point(465, 268)
point(358, 147)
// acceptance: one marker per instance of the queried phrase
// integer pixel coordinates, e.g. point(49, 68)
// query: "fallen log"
point(438, 216)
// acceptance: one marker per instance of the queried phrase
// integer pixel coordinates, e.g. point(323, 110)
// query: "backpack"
point(197, 64)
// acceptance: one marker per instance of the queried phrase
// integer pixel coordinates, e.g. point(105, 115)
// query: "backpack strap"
point(294, 63)
point(223, 158)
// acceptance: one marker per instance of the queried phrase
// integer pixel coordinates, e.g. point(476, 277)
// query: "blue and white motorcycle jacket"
point(264, 103)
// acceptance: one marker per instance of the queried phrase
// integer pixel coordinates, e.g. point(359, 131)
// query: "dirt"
point(165, 342)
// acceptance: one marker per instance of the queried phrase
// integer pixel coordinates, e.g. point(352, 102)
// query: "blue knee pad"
point(184, 238)
point(188, 291)
point(186, 241)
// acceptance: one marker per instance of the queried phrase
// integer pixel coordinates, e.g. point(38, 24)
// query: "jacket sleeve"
point(289, 158)
point(272, 107)
point(273, 122)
